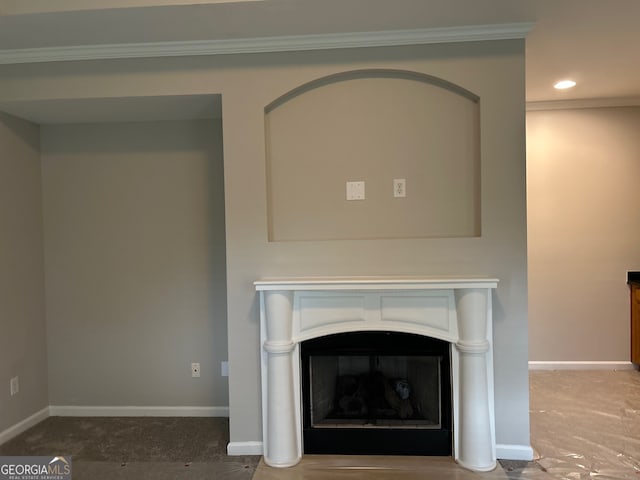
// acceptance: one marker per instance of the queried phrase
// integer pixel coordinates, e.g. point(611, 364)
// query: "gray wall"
point(583, 168)
point(492, 70)
point(135, 263)
point(23, 349)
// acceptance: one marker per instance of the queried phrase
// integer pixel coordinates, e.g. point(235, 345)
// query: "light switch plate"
point(355, 190)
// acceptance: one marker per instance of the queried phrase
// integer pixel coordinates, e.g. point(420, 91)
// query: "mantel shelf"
point(375, 283)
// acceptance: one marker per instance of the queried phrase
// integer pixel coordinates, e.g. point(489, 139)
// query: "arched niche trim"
point(372, 73)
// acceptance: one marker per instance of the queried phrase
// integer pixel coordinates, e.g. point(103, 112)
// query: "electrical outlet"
point(195, 370)
point(399, 187)
point(224, 369)
point(15, 386)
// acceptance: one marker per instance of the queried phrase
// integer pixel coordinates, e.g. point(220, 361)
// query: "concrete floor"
point(584, 425)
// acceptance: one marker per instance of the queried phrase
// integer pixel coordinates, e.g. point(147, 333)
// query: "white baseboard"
point(107, 411)
point(23, 425)
point(585, 365)
point(245, 448)
point(514, 452)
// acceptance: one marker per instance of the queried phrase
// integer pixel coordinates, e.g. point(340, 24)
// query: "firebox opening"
point(376, 393)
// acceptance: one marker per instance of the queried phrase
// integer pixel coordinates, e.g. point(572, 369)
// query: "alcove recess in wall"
point(374, 126)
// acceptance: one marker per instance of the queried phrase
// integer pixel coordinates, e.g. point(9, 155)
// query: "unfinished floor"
point(584, 424)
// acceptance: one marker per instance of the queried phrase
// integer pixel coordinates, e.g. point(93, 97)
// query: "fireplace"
point(300, 317)
point(376, 393)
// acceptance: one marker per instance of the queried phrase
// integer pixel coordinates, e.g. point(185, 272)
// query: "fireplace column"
point(476, 443)
point(282, 434)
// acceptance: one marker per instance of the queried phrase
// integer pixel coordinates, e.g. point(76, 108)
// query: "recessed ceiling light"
point(564, 84)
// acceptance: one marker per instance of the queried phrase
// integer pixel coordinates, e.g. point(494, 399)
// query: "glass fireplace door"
point(376, 393)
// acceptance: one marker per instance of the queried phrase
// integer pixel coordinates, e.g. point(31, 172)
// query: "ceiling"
point(594, 42)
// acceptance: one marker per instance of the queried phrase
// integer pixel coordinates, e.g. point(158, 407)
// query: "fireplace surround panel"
point(456, 310)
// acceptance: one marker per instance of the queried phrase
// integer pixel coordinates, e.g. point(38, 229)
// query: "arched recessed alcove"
point(373, 126)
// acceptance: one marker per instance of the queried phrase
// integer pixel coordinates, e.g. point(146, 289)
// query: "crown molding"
point(470, 33)
point(604, 102)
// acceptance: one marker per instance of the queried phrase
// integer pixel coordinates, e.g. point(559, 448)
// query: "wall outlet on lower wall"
point(14, 385)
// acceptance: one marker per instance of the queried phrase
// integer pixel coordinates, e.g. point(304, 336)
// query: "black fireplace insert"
point(376, 393)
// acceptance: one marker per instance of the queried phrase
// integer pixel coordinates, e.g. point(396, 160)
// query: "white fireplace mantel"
point(455, 309)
